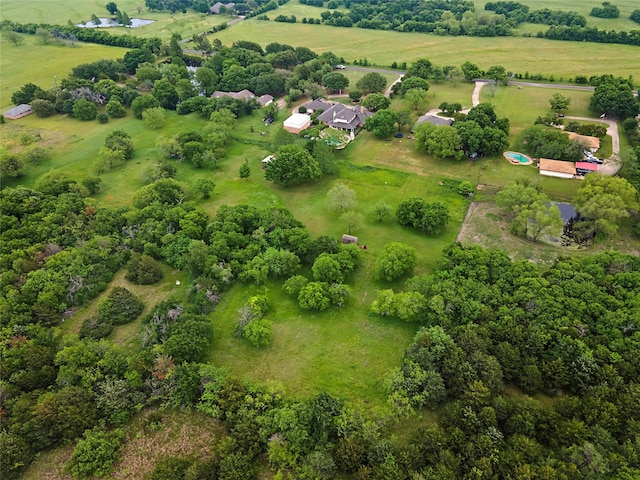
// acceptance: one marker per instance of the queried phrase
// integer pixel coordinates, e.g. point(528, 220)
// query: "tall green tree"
point(383, 123)
point(606, 200)
point(559, 103)
point(292, 165)
point(341, 198)
point(372, 82)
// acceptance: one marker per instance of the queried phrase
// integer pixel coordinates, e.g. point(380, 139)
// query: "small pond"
point(110, 22)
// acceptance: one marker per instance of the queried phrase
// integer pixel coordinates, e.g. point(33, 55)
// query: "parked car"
point(339, 67)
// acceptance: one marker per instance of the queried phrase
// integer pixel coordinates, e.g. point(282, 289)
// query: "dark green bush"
point(121, 306)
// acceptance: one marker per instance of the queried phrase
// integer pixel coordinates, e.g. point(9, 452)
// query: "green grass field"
point(518, 54)
point(44, 64)
point(583, 7)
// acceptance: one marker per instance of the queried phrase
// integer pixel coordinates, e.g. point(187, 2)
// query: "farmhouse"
point(592, 143)
point(215, 8)
point(297, 122)
point(245, 95)
point(344, 118)
point(20, 111)
point(435, 120)
point(265, 100)
point(557, 168)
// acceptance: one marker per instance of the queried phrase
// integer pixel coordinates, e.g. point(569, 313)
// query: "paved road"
point(376, 69)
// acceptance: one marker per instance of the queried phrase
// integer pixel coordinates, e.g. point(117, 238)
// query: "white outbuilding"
point(297, 122)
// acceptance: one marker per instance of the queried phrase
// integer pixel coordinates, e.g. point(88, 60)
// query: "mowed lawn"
point(44, 65)
point(518, 54)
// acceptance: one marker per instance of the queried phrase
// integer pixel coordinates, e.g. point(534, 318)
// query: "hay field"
point(518, 54)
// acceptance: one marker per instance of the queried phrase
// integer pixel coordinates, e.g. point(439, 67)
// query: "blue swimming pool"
point(518, 157)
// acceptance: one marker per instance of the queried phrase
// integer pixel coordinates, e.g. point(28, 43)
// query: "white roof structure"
point(297, 120)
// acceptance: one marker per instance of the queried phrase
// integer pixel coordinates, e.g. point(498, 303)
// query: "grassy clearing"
point(484, 226)
point(127, 335)
point(562, 59)
point(44, 64)
point(181, 434)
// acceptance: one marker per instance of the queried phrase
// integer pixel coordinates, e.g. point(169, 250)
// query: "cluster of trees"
point(608, 10)
point(479, 132)
point(592, 34)
point(530, 212)
point(204, 148)
point(517, 13)
point(614, 97)
point(89, 35)
point(251, 322)
point(431, 218)
point(330, 270)
point(549, 142)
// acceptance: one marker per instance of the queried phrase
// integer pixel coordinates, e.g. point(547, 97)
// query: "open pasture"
point(518, 54)
point(44, 64)
point(583, 7)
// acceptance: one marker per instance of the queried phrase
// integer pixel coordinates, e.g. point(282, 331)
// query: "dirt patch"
point(182, 434)
point(16, 137)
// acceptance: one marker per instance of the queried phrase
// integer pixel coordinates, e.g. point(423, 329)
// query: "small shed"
point(557, 168)
point(297, 122)
point(20, 111)
point(349, 239)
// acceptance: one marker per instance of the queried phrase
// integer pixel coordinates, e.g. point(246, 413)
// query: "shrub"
point(465, 188)
point(431, 218)
point(314, 296)
point(96, 453)
point(294, 284)
point(103, 118)
point(43, 108)
point(258, 332)
point(85, 110)
point(121, 306)
point(143, 270)
point(95, 328)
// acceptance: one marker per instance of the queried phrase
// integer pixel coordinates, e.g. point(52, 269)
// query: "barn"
point(20, 111)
